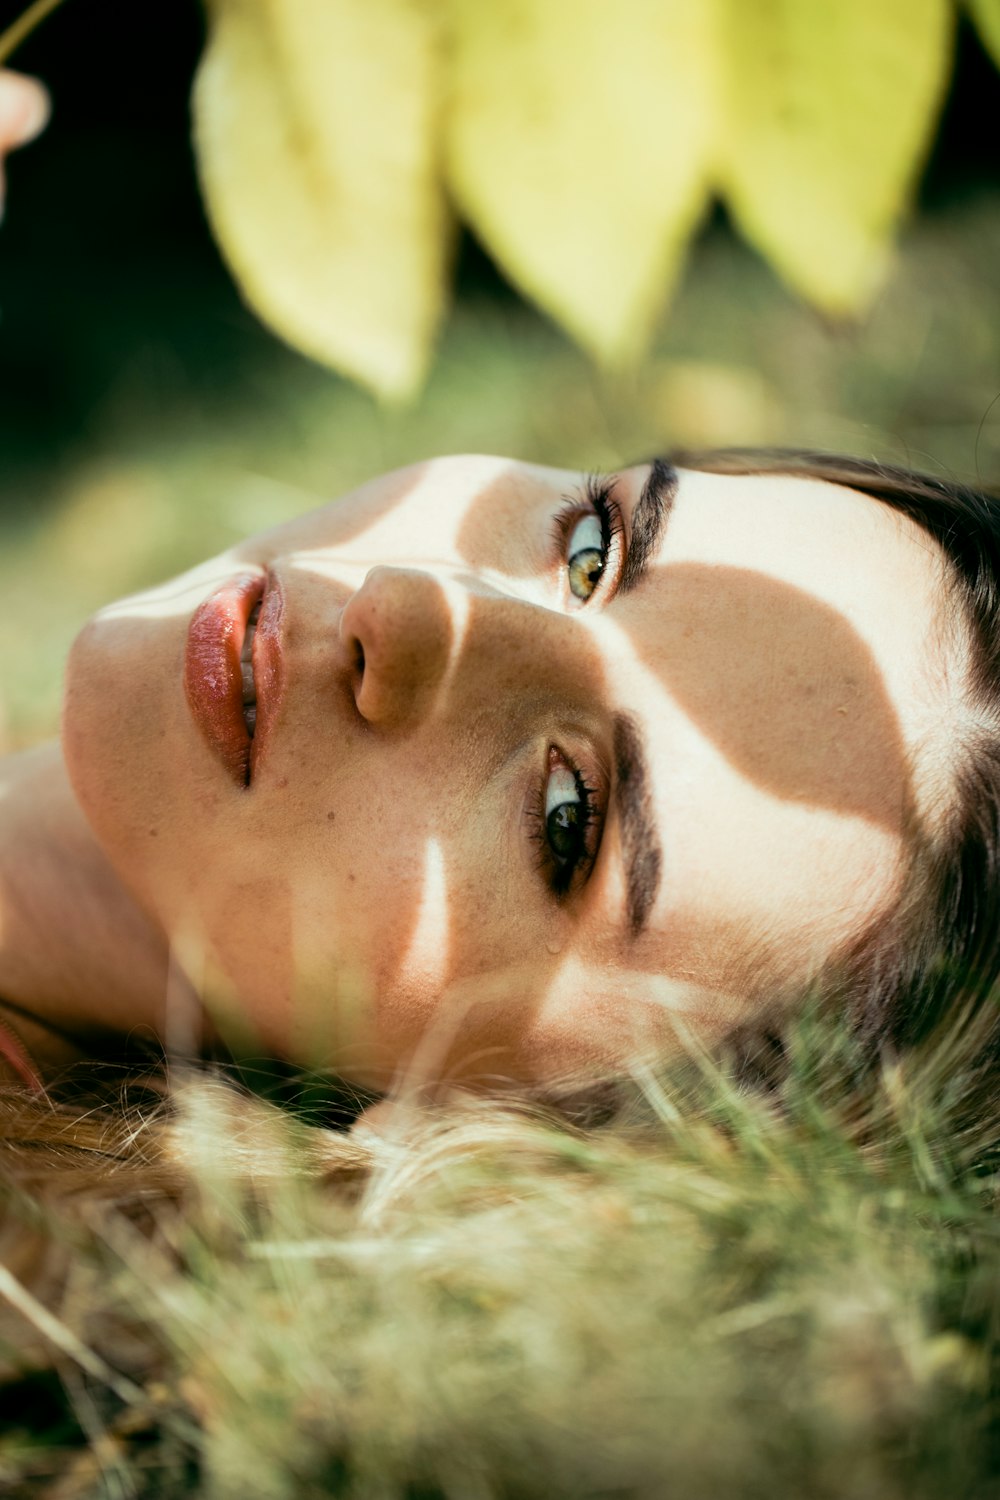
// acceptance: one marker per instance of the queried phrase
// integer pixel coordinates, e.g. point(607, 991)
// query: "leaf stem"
point(19, 30)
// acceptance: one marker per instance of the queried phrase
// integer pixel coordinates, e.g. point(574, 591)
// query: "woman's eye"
point(568, 812)
point(586, 556)
point(565, 815)
point(565, 823)
point(590, 542)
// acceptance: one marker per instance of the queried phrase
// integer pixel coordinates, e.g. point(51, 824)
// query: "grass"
point(719, 1293)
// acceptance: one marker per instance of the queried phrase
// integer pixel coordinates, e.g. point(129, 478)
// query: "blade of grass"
point(18, 31)
point(58, 1334)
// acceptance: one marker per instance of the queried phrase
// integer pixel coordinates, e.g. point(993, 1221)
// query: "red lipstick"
point(212, 678)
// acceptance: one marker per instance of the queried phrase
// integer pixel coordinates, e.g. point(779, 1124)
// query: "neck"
point(75, 950)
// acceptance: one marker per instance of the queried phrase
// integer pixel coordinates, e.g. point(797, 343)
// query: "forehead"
point(810, 531)
point(862, 572)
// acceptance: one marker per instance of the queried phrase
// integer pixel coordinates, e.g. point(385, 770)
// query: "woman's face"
point(546, 772)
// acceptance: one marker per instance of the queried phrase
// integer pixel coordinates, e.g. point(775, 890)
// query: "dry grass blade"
point(19, 31)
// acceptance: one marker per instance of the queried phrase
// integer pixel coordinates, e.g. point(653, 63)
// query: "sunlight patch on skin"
point(378, 543)
point(618, 650)
point(349, 572)
point(460, 614)
point(628, 1011)
point(580, 1024)
point(350, 575)
point(457, 1041)
point(181, 595)
point(663, 704)
point(428, 952)
point(441, 480)
point(324, 565)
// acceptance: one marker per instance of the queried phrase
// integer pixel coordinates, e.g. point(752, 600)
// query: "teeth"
point(246, 672)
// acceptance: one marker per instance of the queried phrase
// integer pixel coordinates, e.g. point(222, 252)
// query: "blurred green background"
point(147, 419)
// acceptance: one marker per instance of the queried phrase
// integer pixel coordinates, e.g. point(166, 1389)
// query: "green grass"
point(722, 1297)
point(720, 1294)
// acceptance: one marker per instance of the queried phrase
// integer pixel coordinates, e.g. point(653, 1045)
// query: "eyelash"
point(561, 874)
point(599, 495)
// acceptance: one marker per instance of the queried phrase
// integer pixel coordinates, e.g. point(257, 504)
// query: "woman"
point(524, 777)
point(502, 774)
point(512, 776)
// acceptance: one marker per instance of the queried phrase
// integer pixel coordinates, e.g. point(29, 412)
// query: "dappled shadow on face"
point(783, 686)
point(776, 680)
point(431, 502)
point(519, 502)
point(516, 677)
point(780, 684)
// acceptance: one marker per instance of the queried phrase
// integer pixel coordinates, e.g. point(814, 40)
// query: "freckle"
point(351, 876)
point(154, 833)
point(331, 817)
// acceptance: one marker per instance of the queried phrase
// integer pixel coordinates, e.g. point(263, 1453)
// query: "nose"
point(397, 631)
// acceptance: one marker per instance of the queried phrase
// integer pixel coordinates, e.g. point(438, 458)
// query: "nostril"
point(394, 634)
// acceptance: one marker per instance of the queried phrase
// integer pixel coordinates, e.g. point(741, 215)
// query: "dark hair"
point(938, 956)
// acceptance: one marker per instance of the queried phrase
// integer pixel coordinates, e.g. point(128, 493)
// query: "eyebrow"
point(640, 845)
point(652, 511)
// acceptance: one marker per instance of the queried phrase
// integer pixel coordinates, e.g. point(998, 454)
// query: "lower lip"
point(212, 678)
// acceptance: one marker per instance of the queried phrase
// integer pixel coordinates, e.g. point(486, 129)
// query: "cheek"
point(548, 1020)
point(147, 791)
point(295, 921)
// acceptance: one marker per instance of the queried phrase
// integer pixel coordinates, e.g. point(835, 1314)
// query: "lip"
point(268, 669)
point(212, 679)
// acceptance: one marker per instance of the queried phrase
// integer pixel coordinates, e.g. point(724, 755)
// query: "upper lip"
point(213, 676)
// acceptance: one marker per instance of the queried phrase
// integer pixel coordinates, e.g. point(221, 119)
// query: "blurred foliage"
point(189, 445)
point(583, 142)
point(316, 139)
point(987, 18)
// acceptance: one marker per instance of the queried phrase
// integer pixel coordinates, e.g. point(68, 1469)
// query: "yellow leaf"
point(578, 142)
point(831, 107)
point(986, 14)
point(315, 130)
